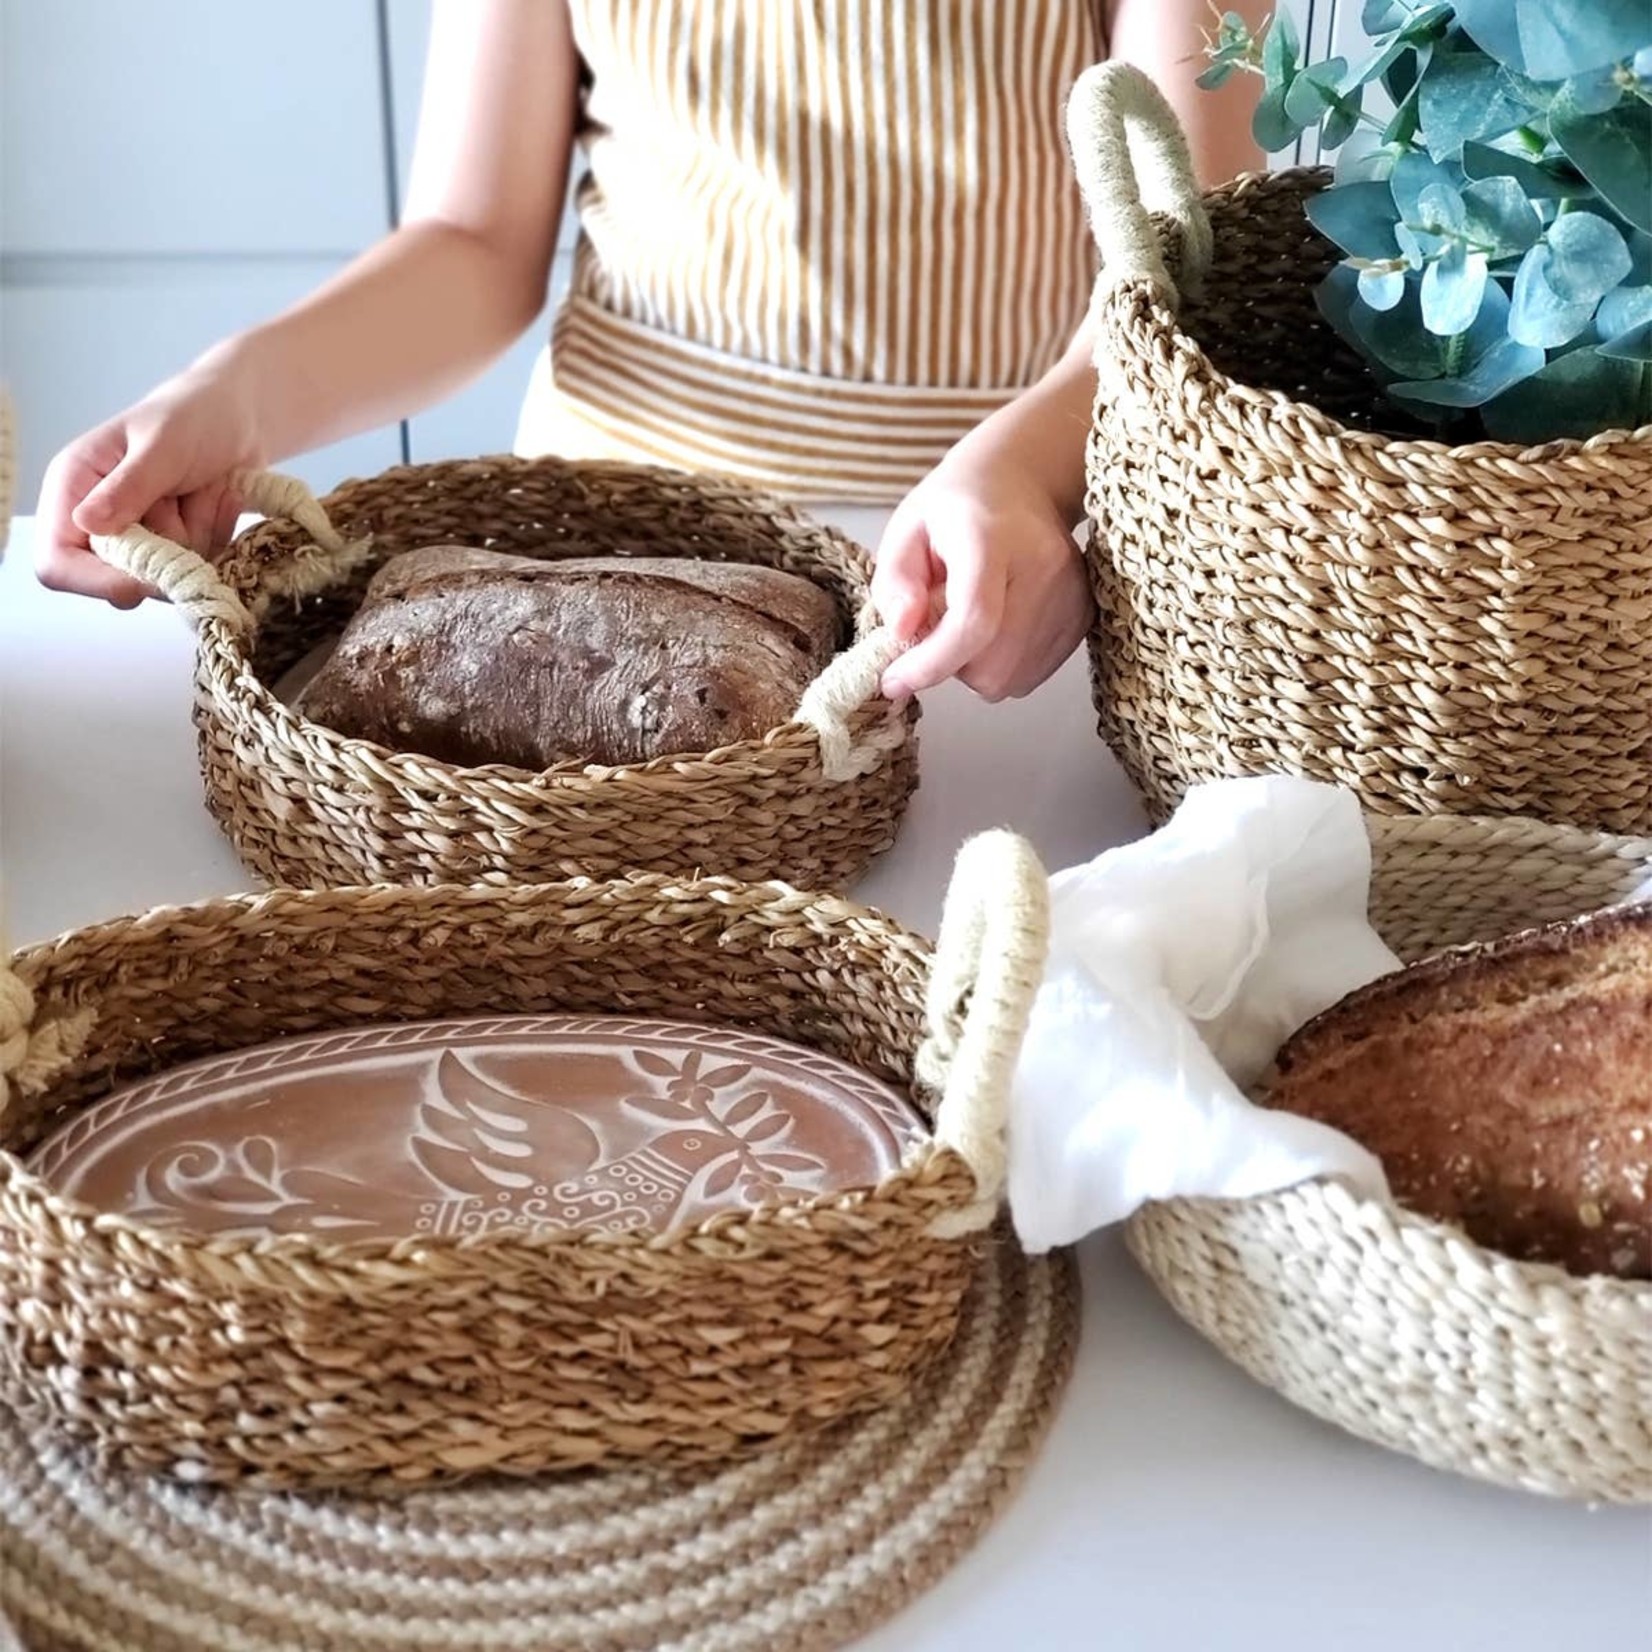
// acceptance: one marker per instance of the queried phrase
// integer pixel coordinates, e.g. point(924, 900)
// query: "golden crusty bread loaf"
point(1505, 1088)
point(476, 656)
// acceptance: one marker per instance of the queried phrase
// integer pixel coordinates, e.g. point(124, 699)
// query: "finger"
point(127, 493)
point(1044, 621)
point(975, 591)
point(903, 575)
point(225, 518)
point(165, 518)
point(63, 567)
point(63, 557)
point(199, 511)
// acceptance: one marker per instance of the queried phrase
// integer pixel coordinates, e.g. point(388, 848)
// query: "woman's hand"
point(165, 462)
point(979, 566)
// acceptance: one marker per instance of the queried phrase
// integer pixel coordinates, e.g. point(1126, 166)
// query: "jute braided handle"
point(194, 585)
point(1132, 159)
point(989, 964)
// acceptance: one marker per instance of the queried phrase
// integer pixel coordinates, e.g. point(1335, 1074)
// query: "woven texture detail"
point(304, 1361)
point(1281, 587)
point(805, 1546)
point(1398, 1328)
point(812, 802)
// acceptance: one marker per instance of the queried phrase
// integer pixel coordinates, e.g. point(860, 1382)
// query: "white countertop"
point(1176, 1504)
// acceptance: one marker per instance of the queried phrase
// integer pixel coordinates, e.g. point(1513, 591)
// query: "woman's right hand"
point(166, 462)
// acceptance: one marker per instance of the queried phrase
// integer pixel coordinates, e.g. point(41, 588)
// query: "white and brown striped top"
point(820, 239)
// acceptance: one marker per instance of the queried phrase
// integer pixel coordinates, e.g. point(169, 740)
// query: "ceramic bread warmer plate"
point(811, 802)
point(294, 1358)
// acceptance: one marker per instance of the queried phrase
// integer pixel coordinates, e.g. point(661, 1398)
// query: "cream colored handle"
point(189, 581)
point(31, 1054)
point(989, 964)
point(1132, 159)
point(847, 684)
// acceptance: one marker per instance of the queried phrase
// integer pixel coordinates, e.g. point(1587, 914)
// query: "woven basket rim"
point(1234, 391)
point(353, 1259)
point(1394, 1225)
point(429, 774)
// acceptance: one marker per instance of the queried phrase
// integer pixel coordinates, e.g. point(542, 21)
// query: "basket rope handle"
point(849, 682)
point(988, 966)
point(194, 586)
point(1132, 159)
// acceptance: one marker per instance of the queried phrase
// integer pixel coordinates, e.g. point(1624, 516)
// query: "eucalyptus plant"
point(1495, 211)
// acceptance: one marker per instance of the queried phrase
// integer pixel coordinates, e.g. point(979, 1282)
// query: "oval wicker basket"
point(296, 1360)
point(811, 803)
point(1398, 1328)
point(1284, 587)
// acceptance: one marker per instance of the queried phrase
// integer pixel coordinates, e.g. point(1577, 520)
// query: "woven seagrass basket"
point(811, 803)
point(1286, 580)
point(297, 1360)
point(1398, 1328)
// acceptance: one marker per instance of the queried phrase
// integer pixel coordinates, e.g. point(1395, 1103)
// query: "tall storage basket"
point(1283, 585)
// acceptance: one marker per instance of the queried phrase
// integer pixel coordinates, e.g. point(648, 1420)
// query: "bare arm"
point(409, 321)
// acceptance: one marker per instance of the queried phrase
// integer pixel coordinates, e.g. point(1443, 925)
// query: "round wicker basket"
point(1397, 1328)
point(811, 803)
point(295, 1360)
point(1283, 583)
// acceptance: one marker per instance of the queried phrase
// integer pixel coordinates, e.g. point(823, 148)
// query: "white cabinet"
point(172, 127)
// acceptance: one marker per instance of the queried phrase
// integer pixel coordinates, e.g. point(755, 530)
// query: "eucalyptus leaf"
point(1381, 289)
point(1577, 395)
point(1342, 122)
point(1312, 94)
point(1498, 215)
point(1440, 210)
point(1623, 309)
point(1465, 96)
point(1554, 39)
point(1412, 174)
point(1499, 369)
point(1402, 128)
point(1398, 339)
point(1642, 63)
point(1542, 180)
point(1593, 93)
point(1587, 257)
point(1613, 151)
point(1359, 218)
point(1538, 315)
point(1233, 30)
point(1634, 344)
point(1453, 286)
point(1281, 52)
point(1272, 128)
point(1379, 16)
point(1217, 75)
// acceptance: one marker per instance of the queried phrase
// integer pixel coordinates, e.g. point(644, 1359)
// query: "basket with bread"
point(508, 670)
point(1494, 1318)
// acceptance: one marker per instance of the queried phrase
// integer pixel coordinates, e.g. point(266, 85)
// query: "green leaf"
point(1412, 174)
point(1593, 93)
point(1453, 286)
point(1379, 16)
point(1555, 39)
point(1341, 124)
point(1579, 394)
point(1440, 210)
point(1497, 214)
point(1499, 369)
point(1313, 93)
point(1635, 344)
point(1538, 315)
point(1398, 339)
point(1542, 180)
point(1281, 52)
point(1218, 74)
point(1233, 31)
point(1613, 151)
point(1402, 129)
point(1466, 96)
point(1358, 217)
point(1623, 309)
point(1272, 128)
point(1381, 289)
point(1587, 257)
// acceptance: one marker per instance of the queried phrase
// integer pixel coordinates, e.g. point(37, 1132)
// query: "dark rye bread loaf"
point(1506, 1088)
point(478, 657)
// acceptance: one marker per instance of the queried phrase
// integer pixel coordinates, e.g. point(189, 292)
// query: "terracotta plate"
point(457, 1127)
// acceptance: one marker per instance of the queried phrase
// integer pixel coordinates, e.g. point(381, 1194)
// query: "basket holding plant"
point(1493, 199)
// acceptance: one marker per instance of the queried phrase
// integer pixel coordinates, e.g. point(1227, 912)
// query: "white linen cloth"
point(1177, 967)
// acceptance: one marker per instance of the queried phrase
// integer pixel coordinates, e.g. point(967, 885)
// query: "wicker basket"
point(1283, 584)
point(810, 803)
point(294, 1360)
point(1400, 1329)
